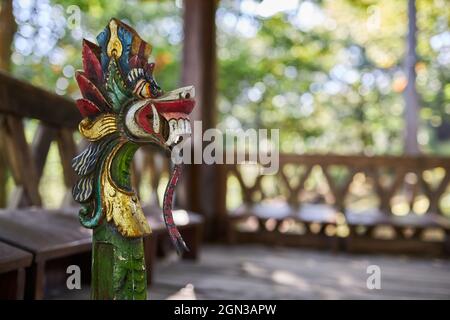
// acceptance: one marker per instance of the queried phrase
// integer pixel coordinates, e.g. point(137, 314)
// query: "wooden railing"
point(58, 120)
point(333, 195)
point(57, 116)
point(340, 180)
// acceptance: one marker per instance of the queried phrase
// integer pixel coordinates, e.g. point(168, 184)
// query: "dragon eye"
point(148, 90)
point(142, 89)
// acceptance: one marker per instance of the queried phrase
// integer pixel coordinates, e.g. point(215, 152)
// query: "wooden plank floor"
point(258, 272)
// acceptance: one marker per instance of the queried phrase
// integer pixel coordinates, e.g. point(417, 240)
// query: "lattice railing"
point(24, 159)
point(354, 203)
point(393, 185)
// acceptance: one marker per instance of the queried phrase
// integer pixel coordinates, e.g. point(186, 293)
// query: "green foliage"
point(327, 73)
point(47, 47)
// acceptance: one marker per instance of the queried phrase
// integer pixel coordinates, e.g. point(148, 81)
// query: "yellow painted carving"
point(114, 45)
point(99, 127)
point(121, 206)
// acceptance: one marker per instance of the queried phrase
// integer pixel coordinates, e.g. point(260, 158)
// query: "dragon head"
point(123, 108)
point(118, 79)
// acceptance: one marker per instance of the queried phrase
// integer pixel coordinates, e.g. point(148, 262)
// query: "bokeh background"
point(360, 91)
point(329, 73)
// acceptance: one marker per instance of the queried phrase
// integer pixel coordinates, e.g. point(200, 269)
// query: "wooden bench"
point(278, 223)
point(353, 203)
point(374, 231)
point(13, 262)
point(55, 241)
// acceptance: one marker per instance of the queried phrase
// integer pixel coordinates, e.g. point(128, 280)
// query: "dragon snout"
point(165, 119)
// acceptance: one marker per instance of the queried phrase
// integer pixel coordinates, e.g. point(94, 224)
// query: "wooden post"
point(410, 94)
point(7, 29)
point(203, 186)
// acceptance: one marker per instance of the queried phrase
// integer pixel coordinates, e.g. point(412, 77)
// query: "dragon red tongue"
point(174, 234)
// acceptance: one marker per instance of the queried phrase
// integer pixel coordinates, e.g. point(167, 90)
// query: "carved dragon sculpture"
point(123, 108)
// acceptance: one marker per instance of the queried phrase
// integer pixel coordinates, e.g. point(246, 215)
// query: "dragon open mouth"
point(165, 117)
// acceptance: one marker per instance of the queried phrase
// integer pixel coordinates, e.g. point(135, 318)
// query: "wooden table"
point(54, 237)
point(13, 262)
point(48, 236)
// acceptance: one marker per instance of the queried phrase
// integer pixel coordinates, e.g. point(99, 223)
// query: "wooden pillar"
point(410, 94)
point(7, 30)
point(202, 187)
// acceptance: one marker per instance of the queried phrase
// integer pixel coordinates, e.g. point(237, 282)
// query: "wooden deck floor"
point(258, 272)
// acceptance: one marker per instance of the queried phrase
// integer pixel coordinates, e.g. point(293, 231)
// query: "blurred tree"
point(328, 73)
point(47, 46)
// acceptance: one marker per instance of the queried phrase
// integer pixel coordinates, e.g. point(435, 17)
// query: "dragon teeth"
point(188, 126)
point(173, 125)
point(181, 126)
point(178, 128)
